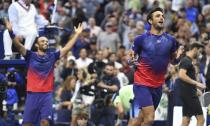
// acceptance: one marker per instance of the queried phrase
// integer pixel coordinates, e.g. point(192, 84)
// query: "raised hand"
point(78, 29)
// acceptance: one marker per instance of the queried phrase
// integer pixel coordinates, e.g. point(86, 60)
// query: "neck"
point(189, 54)
point(23, 2)
point(41, 52)
point(155, 31)
point(83, 58)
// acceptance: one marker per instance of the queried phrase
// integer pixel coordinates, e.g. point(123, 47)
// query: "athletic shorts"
point(191, 106)
point(38, 106)
point(145, 96)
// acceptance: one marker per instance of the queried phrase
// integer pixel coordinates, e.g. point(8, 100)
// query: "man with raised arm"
point(40, 76)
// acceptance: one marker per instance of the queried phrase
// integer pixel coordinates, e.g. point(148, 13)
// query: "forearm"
point(17, 43)
point(69, 44)
point(66, 103)
point(187, 79)
point(112, 88)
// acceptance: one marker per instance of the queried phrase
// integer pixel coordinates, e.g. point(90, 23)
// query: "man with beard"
point(188, 86)
point(155, 49)
point(40, 76)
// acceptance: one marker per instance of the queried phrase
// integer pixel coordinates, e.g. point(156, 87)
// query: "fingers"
point(131, 53)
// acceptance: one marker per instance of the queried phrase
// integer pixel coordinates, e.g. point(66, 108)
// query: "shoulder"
point(125, 88)
point(32, 6)
point(169, 36)
point(140, 37)
point(115, 80)
point(13, 6)
point(185, 60)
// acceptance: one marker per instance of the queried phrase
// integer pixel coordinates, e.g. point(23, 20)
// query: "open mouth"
point(45, 46)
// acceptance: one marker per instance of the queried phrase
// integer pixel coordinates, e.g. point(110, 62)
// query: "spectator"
point(65, 105)
point(113, 59)
point(69, 69)
point(83, 61)
point(94, 30)
point(83, 120)
point(205, 66)
point(123, 103)
point(123, 79)
point(108, 39)
point(98, 64)
point(79, 104)
point(108, 85)
point(82, 42)
point(24, 19)
point(75, 12)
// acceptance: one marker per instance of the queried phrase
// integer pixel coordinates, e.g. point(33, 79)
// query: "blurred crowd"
point(97, 66)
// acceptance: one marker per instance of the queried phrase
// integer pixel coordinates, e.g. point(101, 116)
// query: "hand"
point(101, 85)
point(199, 92)
point(79, 29)
point(8, 24)
point(69, 106)
point(131, 53)
point(201, 86)
point(180, 51)
point(131, 57)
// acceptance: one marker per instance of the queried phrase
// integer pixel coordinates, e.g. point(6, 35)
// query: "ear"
point(36, 45)
point(150, 21)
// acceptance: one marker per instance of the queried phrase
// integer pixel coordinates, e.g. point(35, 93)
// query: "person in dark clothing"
point(65, 105)
point(205, 66)
point(189, 85)
point(104, 112)
point(98, 65)
point(83, 120)
point(69, 69)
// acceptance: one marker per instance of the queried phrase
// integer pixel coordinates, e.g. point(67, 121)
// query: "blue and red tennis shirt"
point(154, 53)
point(40, 74)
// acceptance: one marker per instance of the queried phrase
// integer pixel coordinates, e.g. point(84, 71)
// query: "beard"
point(43, 49)
point(159, 27)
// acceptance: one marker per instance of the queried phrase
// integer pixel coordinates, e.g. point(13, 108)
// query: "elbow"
point(181, 76)
point(115, 89)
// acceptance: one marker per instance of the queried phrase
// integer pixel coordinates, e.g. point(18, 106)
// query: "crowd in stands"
point(96, 67)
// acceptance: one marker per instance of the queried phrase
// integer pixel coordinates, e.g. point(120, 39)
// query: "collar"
point(22, 4)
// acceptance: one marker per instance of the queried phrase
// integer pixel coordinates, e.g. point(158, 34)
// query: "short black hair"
point(194, 45)
point(110, 64)
point(37, 38)
point(149, 15)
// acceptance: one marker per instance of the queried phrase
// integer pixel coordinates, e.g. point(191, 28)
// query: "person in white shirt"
point(94, 30)
point(83, 61)
point(24, 19)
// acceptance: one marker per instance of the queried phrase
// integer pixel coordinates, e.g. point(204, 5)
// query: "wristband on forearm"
point(12, 35)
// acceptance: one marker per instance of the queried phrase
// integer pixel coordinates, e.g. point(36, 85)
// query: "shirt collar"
point(23, 3)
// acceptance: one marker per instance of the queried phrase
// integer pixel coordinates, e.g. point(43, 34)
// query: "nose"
point(45, 42)
point(162, 18)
